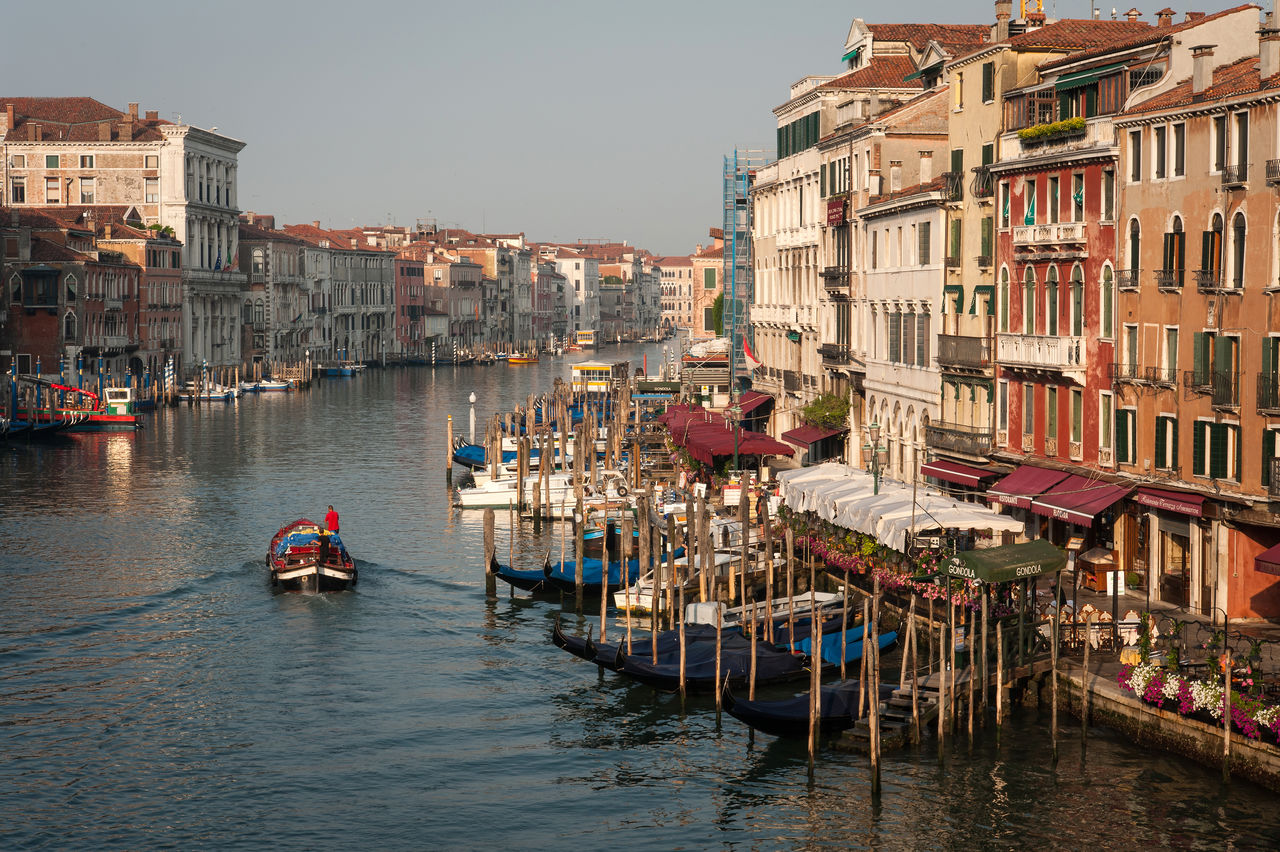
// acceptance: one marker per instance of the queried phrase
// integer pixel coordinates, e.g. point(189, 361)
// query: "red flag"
point(753, 363)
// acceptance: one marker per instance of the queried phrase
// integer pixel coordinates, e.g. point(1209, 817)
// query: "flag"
point(230, 265)
point(1030, 218)
point(217, 261)
point(753, 363)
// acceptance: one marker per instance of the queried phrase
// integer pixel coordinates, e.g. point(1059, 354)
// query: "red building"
point(411, 303)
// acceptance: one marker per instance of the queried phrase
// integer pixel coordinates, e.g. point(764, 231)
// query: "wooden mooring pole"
point(490, 553)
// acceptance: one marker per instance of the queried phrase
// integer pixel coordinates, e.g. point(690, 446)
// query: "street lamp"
point(875, 456)
point(473, 416)
point(735, 414)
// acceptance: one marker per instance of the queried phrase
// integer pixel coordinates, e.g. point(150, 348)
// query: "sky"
point(564, 120)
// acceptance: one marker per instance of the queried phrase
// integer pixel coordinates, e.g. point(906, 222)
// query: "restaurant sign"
point(835, 211)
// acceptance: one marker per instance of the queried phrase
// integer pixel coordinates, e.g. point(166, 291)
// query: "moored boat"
point(522, 358)
point(304, 556)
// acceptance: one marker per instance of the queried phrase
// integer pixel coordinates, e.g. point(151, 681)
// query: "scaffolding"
point(739, 171)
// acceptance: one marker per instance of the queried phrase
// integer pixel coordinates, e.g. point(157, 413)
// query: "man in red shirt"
point(331, 520)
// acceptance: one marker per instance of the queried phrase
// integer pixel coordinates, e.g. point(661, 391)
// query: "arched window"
point(1004, 298)
point(72, 287)
point(247, 311)
point(1211, 252)
point(69, 327)
point(1135, 250)
point(1077, 300)
point(1108, 303)
point(1051, 291)
point(1237, 251)
point(259, 312)
point(1029, 301)
point(1175, 252)
point(259, 262)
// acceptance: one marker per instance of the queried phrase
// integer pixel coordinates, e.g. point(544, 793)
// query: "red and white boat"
point(306, 557)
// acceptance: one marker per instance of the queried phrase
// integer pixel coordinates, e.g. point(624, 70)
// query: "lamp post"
point(735, 415)
point(472, 399)
point(665, 377)
point(874, 456)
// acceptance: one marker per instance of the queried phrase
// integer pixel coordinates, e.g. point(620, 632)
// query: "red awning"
point(961, 474)
point(1172, 501)
point(1268, 561)
point(1077, 499)
point(1023, 485)
point(804, 436)
point(751, 400)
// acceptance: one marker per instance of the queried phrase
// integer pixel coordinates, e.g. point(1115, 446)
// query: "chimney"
point(1195, 16)
point(133, 111)
point(1268, 49)
point(895, 175)
point(104, 131)
point(1164, 18)
point(926, 166)
point(1201, 68)
point(8, 117)
point(33, 132)
point(106, 231)
point(1004, 11)
point(315, 223)
point(1133, 15)
point(153, 115)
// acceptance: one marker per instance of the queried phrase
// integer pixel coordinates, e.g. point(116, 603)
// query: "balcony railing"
point(1126, 372)
point(835, 278)
point(114, 304)
point(1208, 280)
point(114, 341)
point(1273, 489)
point(983, 182)
point(1127, 279)
point(957, 438)
point(1048, 234)
point(1041, 352)
point(1223, 386)
point(1161, 375)
point(1269, 392)
point(1273, 171)
point(1168, 279)
point(1235, 175)
point(961, 351)
point(791, 380)
point(984, 261)
point(835, 353)
point(953, 186)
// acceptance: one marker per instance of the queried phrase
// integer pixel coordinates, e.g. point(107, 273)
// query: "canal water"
point(155, 693)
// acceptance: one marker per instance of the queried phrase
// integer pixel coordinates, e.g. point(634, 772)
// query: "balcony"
point(1098, 132)
point(836, 278)
point(1236, 175)
point(1273, 172)
point(791, 380)
point(954, 262)
point(1166, 376)
point(113, 304)
point(1127, 279)
point(984, 261)
point(953, 186)
point(1126, 372)
point(983, 183)
point(1268, 393)
point(974, 441)
point(114, 341)
point(1043, 354)
point(1222, 386)
point(835, 353)
point(955, 350)
point(1048, 235)
point(1168, 280)
point(1208, 280)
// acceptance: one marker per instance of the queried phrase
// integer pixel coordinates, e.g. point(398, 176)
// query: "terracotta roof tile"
point(254, 232)
point(953, 37)
point(74, 120)
point(1079, 34)
point(1146, 34)
point(1238, 78)
point(935, 185)
point(883, 72)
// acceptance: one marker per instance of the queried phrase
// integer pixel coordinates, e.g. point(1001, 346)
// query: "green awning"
point(1084, 78)
point(1010, 562)
point(928, 69)
point(853, 52)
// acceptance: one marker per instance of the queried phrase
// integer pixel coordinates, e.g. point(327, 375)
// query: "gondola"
point(529, 580)
point(608, 654)
point(771, 664)
point(595, 581)
point(789, 717)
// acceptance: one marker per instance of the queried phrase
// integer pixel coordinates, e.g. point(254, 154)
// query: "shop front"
point(1178, 547)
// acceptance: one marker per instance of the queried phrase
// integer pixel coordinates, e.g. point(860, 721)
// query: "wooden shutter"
point(1173, 443)
point(988, 154)
point(1200, 356)
point(924, 235)
point(1268, 453)
point(1166, 253)
point(957, 160)
point(1218, 436)
point(1161, 437)
point(1206, 250)
point(1232, 432)
point(988, 81)
point(1122, 436)
point(1269, 357)
point(1180, 249)
point(822, 180)
point(895, 336)
point(922, 340)
point(1199, 433)
point(986, 239)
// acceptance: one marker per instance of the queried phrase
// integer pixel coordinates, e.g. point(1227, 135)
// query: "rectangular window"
point(1002, 416)
point(895, 336)
point(709, 278)
point(1104, 420)
point(960, 90)
point(1077, 415)
point(1166, 446)
point(1053, 199)
point(86, 161)
point(1077, 197)
point(151, 161)
point(18, 191)
point(923, 250)
point(86, 190)
point(1108, 195)
point(908, 337)
point(1126, 421)
point(152, 190)
point(18, 161)
point(922, 340)
point(988, 82)
point(1004, 204)
point(953, 252)
point(1028, 408)
point(1135, 156)
point(52, 191)
point(51, 161)
point(1179, 150)
point(1219, 142)
point(1170, 354)
point(1051, 413)
point(985, 250)
point(1242, 141)
point(708, 322)
point(1160, 150)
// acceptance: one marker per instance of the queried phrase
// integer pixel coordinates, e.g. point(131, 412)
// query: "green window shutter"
point(1222, 351)
point(822, 174)
point(1166, 253)
point(1269, 357)
point(924, 253)
point(1236, 451)
point(709, 278)
point(895, 337)
point(988, 81)
point(1051, 413)
point(986, 238)
point(1161, 437)
point(922, 340)
point(1268, 453)
point(1199, 432)
point(1122, 436)
point(1200, 356)
point(1180, 249)
point(955, 238)
point(988, 154)
point(1218, 450)
point(1206, 250)
point(957, 160)
point(1173, 443)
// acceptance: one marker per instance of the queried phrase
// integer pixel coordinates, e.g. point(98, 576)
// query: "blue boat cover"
point(306, 539)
